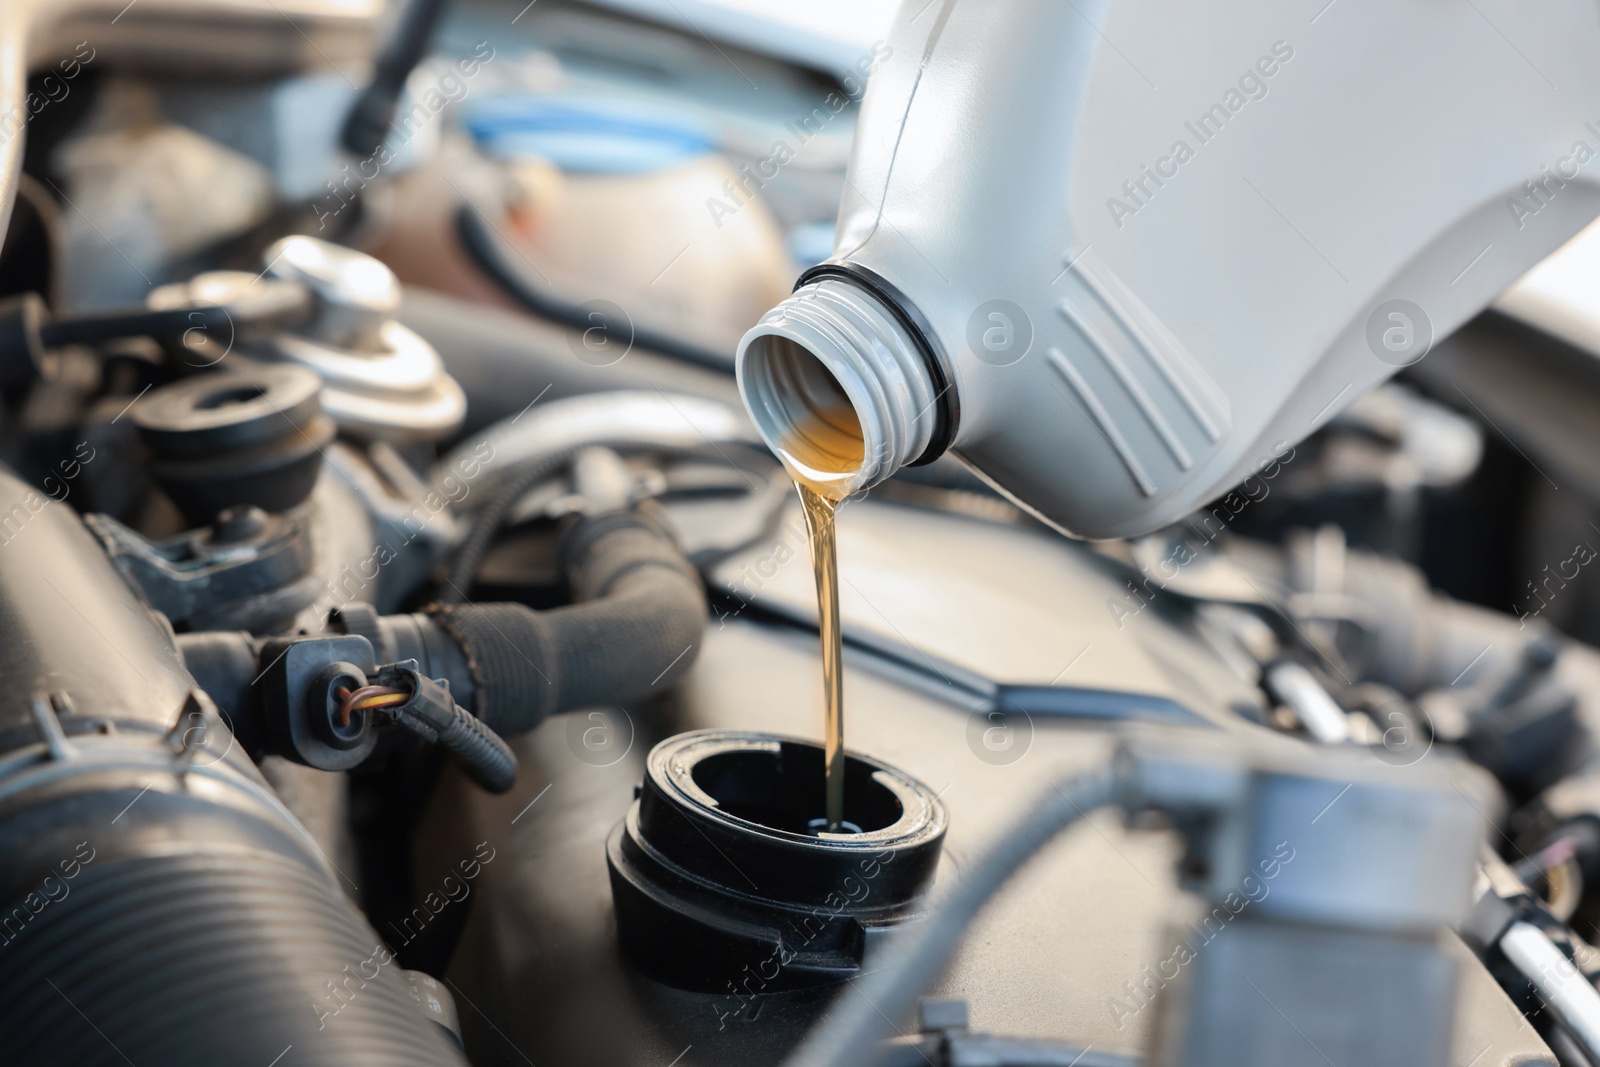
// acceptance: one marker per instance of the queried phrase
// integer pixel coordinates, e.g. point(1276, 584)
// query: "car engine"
point(410, 629)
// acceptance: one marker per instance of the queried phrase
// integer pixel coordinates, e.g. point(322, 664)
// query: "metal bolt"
point(355, 294)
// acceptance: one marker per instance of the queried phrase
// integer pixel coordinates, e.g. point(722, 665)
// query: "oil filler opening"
point(783, 790)
point(718, 860)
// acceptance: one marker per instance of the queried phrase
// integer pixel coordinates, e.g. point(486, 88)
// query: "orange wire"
point(366, 698)
point(387, 701)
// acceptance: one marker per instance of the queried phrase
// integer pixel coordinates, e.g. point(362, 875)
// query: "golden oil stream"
point(822, 452)
point(819, 512)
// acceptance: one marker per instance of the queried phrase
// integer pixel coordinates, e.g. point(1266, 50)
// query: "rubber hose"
point(368, 126)
point(850, 1035)
point(501, 358)
point(638, 623)
point(487, 523)
point(158, 904)
point(482, 244)
point(207, 959)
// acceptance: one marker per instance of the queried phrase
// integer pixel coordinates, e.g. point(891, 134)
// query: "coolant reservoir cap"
point(719, 863)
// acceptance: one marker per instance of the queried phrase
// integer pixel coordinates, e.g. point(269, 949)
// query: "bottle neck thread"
point(836, 386)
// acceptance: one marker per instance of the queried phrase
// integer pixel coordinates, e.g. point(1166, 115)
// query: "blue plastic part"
point(586, 135)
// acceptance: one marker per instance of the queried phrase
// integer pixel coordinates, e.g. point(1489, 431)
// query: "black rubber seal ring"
point(947, 407)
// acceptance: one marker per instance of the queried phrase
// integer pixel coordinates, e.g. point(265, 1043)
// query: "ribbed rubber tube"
point(637, 626)
point(208, 958)
point(487, 523)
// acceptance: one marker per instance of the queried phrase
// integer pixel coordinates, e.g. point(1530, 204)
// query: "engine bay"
point(413, 645)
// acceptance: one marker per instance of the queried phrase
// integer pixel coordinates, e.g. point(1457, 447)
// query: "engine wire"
point(368, 698)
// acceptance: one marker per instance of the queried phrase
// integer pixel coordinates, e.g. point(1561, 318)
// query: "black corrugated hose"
point(158, 904)
point(637, 624)
point(488, 522)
